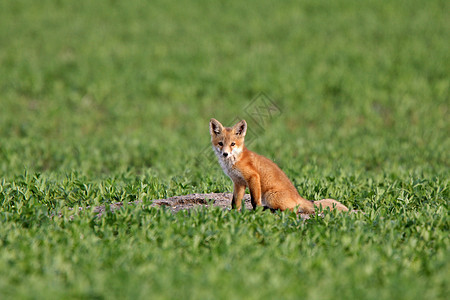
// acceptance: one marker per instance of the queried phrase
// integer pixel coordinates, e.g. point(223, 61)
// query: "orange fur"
point(268, 184)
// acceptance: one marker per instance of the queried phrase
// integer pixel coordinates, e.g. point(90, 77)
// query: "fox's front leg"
point(238, 194)
point(254, 185)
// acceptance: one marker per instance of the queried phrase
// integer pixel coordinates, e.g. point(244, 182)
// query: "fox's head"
point(227, 142)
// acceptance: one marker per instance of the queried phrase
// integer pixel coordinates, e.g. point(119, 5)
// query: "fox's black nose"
point(225, 154)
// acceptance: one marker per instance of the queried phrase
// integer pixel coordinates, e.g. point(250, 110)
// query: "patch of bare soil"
point(186, 202)
point(177, 203)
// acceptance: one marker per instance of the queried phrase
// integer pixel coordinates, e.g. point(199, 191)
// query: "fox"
point(269, 186)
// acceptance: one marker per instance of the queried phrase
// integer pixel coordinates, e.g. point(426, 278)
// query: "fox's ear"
point(240, 128)
point(215, 127)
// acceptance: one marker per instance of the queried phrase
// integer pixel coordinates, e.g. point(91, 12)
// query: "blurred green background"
point(105, 86)
point(104, 101)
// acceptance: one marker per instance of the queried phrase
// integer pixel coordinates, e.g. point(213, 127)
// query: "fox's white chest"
point(229, 169)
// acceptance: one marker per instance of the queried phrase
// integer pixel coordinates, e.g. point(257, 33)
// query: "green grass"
point(105, 101)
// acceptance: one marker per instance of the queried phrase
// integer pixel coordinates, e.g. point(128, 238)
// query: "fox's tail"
point(331, 203)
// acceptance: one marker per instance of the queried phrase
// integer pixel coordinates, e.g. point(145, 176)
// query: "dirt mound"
point(177, 203)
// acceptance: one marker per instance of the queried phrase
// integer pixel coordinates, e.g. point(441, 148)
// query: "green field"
point(108, 101)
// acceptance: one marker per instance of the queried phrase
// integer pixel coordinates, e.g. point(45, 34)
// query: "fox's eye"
point(233, 143)
point(220, 144)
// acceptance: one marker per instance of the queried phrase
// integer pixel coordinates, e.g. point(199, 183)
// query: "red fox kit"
point(268, 185)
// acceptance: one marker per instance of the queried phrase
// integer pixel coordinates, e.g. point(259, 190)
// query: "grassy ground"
point(105, 101)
